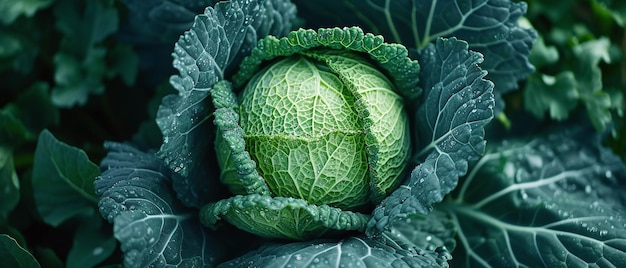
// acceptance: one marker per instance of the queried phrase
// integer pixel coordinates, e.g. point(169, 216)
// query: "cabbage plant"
point(338, 139)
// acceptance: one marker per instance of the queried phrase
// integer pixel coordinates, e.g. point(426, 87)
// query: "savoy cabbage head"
point(324, 138)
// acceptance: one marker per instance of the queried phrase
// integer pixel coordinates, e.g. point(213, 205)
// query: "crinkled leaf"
point(458, 104)
point(62, 180)
point(152, 225)
point(11, 9)
point(162, 21)
point(489, 26)
point(423, 233)
point(274, 217)
point(13, 255)
point(232, 135)
point(553, 201)
point(217, 41)
point(349, 252)
point(393, 58)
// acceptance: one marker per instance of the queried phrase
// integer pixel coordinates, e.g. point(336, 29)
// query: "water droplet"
point(428, 238)
point(298, 257)
point(97, 251)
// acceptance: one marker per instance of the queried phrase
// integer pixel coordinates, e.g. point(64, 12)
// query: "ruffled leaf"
point(489, 26)
point(204, 55)
point(231, 140)
point(553, 201)
point(393, 58)
point(152, 225)
point(282, 217)
point(458, 104)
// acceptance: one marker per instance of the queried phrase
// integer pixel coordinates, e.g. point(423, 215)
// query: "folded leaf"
point(553, 201)
point(153, 227)
point(458, 104)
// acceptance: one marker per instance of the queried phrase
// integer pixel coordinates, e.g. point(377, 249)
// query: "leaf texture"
point(217, 41)
point(458, 104)
point(152, 225)
point(553, 201)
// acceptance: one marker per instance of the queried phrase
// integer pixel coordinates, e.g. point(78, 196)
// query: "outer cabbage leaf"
point(554, 201)
point(489, 26)
point(458, 104)
point(349, 252)
point(62, 180)
point(217, 41)
point(153, 227)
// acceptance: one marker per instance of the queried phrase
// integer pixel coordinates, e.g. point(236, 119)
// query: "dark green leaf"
point(13, 255)
point(217, 42)
point(458, 104)
point(35, 120)
point(553, 201)
point(62, 180)
point(9, 184)
point(557, 95)
point(489, 26)
point(349, 252)
point(80, 62)
point(162, 21)
point(152, 225)
point(93, 243)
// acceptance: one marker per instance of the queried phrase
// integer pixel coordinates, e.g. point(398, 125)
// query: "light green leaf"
point(13, 255)
point(553, 201)
point(12, 9)
point(458, 104)
point(274, 217)
point(62, 180)
point(348, 252)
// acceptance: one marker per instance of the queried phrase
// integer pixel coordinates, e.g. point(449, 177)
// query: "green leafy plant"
point(296, 134)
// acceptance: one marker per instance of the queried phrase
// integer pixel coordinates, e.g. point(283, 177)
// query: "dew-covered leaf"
point(216, 43)
point(154, 228)
point(553, 201)
point(458, 104)
point(348, 252)
point(489, 26)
